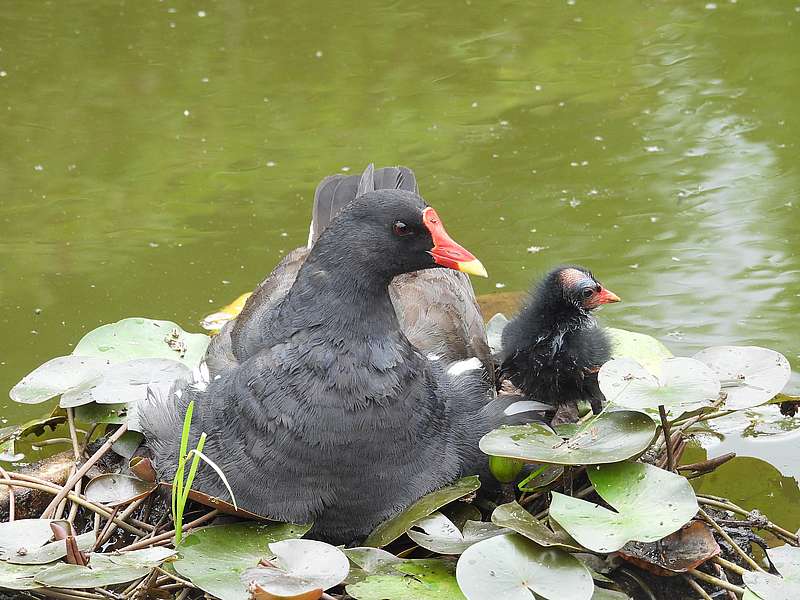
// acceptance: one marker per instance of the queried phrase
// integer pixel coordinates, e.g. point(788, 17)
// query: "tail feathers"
point(337, 191)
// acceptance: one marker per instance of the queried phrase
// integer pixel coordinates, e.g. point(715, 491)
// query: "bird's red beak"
point(606, 297)
point(445, 251)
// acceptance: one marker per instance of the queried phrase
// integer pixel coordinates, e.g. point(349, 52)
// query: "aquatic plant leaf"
point(610, 437)
point(604, 594)
point(113, 489)
point(300, 568)
point(513, 516)
point(93, 412)
point(650, 504)
point(214, 558)
point(428, 579)
point(751, 375)
point(439, 534)
point(771, 587)
point(688, 548)
point(390, 530)
point(138, 337)
point(494, 332)
point(514, 568)
point(104, 569)
point(643, 348)
point(19, 577)
point(127, 445)
point(685, 384)
point(53, 551)
point(23, 536)
point(8, 452)
point(57, 376)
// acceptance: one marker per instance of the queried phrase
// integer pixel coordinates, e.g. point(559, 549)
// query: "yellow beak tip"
point(473, 267)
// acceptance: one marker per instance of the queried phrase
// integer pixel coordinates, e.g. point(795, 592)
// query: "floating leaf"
point(143, 338)
point(57, 376)
point(512, 567)
point(19, 577)
point(215, 557)
point(301, 568)
point(651, 503)
point(127, 445)
point(439, 534)
point(688, 548)
point(513, 516)
point(770, 587)
point(494, 332)
point(751, 375)
point(685, 384)
point(23, 536)
point(53, 551)
point(610, 437)
point(392, 529)
point(368, 561)
point(644, 349)
point(105, 569)
point(113, 489)
point(8, 452)
point(604, 594)
point(411, 580)
point(115, 414)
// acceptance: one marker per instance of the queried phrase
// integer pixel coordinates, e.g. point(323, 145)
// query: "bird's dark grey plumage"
point(319, 408)
point(552, 349)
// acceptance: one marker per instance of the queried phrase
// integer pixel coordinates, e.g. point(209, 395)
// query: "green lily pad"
point(494, 332)
point(604, 594)
point(19, 577)
point(23, 535)
point(214, 558)
point(684, 385)
point(368, 561)
point(751, 375)
point(439, 534)
point(411, 580)
point(299, 567)
point(115, 414)
point(113, 489)
point(610, 437)
point(8, 452)
point(644, 349)
point(770, 587)
point(143, 338)
point(515, 517)
point(53, 551)
point(651, 503)
point(512, 567)
point(105, 569)
point(56, 377)
point(390, 530)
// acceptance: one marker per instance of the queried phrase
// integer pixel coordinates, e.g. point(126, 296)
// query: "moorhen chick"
point(553, 348)
point(318, 407)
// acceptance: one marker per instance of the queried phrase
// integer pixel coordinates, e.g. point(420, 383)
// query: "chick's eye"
point(587, 293)
point(401, 229)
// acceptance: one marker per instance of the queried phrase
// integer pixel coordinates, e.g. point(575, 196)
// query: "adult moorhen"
point(553, 348)
point(318, 407)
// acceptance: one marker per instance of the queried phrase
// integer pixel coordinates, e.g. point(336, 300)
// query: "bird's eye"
point(587, 293)
point(401, 229)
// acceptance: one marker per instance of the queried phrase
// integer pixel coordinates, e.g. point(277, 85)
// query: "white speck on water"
point(474, 105)
point(502, 218)
point(204, 80)
point(495, 156)
point(284, 234)
point(593, 192)
point(653, 149)
point(598, 138)
point(318, 53)
point(270, 163)
point(653, 219)
point(634, 266)
point(535, 249)
point(72, 167)
point(345, 169)
point(172, 25)
point(3, 73)
point(570, 2)
point(562, 104)
point(172, 11)
point(533, 231)
point(574, 203)
point(504, 123)
point(201, 13)
point(153, 244)
point(38, 168)
point(573, 164)
point(676, 259)
point(584, 163)
point(499, 286)
point(537, 87)
point(711, 6)
point(225, 282)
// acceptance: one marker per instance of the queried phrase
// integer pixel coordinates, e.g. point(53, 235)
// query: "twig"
point(174, 577)
point(696, 587)
point(730, 541)
point(83, 470)
point(721, 574)
point(166, 536)
point(716, 581)
point(709, 465)
point(11, 505)
point(725, 504)
point(732, 567)
point(73, 435)
point(665, 430)
point(99, 539)
point(123, 517)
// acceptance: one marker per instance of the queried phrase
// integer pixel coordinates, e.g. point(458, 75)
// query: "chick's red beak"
point(446, 252)
point(607, 297)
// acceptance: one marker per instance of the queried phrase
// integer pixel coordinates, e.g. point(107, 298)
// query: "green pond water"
point(157, 158)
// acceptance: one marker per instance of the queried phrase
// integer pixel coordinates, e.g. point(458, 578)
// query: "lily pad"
point(53, 551)
point(390, 530)
point(512, 567)
point(19, 577)
point(57, 376)
point(8, 451)
point(515, 517)
point(604, 594)
point(104, 569)
point(650, 504)
point(128, 382)
point(494, 332)
point(300, 568)
point(368, 561)
point(214, 558)
point(751, 375)
point(644, 349)
point(411, 580)
point(770, 587)
point(143, 338)
point(115, 414)
point(23, 535)
point(685, 384)
point(439, 534)
point(610, 437)
point(113, 489)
